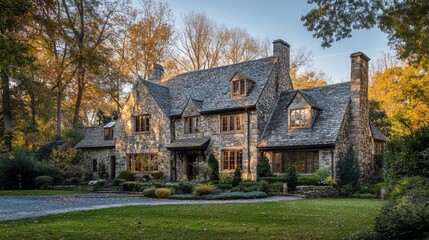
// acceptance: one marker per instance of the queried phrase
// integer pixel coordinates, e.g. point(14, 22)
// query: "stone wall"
point(359, 128)
point(343, 139)
point(103, 157)
point(129, 142)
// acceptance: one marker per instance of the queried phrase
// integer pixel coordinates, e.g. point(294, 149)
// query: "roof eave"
point(301, 147)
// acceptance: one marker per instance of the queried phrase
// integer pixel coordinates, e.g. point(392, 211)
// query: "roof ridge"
point(208, 69)
point(154, 83)
point(329, 85)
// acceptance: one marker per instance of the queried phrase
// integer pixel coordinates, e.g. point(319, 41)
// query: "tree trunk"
point(80, 88)
point(7, 111)
point(59, 107)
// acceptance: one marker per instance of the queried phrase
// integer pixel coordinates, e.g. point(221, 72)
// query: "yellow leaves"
point(403, 93)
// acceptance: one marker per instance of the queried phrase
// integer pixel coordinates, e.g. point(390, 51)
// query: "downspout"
point(249, 173)
point(332, 163)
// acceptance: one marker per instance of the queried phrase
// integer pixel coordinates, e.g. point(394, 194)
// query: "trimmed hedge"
point(223, 186)
point(222, 196)
point(249, 183)
point(163, 193)
point(273, 179)
point(126, 175)
point(203, 189)
point(44, 182)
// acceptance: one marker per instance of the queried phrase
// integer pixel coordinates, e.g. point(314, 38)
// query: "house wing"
point(160, 94)
point(93, 137)
point(333, 99)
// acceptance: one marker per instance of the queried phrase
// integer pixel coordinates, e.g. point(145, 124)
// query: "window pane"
point(315, 161)
point(197, 124)
point(231, 123)
point(225, 123)
point(147, 123)
point(235, 88)
point(239, 122)
point(231, 160)
point(225, 159)
point(239, 159)
point(277, 163)
point(242, 89)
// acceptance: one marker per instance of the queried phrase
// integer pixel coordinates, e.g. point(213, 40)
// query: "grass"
point(303, 219)
point(37, 192)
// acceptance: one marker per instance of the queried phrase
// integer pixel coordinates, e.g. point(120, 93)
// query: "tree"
point(302, 74)
point(403, 93)
point(347, 170)
point(13, 53)
point(236, 179)
point(263, 168)
point(241, 46)
point(379, 118)
point(150, 37)
point(214, 168)
point(405, 22)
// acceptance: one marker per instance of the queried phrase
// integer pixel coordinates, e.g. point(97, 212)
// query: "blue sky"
point(282, 19)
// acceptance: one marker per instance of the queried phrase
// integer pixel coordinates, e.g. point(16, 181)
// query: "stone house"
point(238, 112)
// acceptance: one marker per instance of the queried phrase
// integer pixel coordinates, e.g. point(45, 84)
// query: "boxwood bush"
point(273, 179)
point(203, 189)
point(44, 182)
point(250, 183)
point(126, 175)
point(149, 192)
point(276, 187)
point(163, 193)
point(223, 186)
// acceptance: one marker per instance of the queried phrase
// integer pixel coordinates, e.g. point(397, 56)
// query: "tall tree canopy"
point(406, 22)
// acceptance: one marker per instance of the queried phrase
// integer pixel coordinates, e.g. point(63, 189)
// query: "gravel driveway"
point(18, 207)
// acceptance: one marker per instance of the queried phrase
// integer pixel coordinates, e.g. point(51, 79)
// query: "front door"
point(191, 159)
point(112, 167)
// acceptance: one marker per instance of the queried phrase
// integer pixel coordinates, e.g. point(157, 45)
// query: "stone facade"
point(106, 161)
point(128, 141)
point(339, 117)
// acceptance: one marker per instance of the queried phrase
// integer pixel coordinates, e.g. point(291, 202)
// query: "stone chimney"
point(156, 71)
point(281, 49)
point(359, 129)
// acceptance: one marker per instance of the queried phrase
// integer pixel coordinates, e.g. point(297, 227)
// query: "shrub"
point(263, 167)
point(367, 234)
point(126, 175)
point(237, 177)
point(203, 189)
point(44, 182)
point(163, 193)
point(68, 162)
point(320, 176)
point(225, 178)
point(264, 185)
point(185, 187)
point(378, 188)
point(306, 180)
point(141, 187)
point(273, 179)
point(291, 179)
point(223, 186)
point(331, 181)
point(150, 192)
point(249, 183)
point(276, 187)
point(201, 171)
point(348, 170)
point(214, 168)
point(17, 167)
point(97, 183)
point(117, 181)
point(131, 186)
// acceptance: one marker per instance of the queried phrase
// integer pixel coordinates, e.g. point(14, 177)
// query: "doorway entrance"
point(191, 158)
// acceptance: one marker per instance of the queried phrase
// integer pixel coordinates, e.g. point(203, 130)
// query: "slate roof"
point(212, 86)
point(161, 95)
point(94, 138)
point(377, 134)
point(191, 143)
point(331, 99)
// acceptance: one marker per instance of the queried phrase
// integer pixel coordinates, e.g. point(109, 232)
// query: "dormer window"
point(108, 133)
point(192, 125)
point(300, 118)
point(239, 88)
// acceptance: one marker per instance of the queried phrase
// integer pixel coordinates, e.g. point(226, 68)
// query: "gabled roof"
point(212, 86)
point(161, 95)
point(377, 134)
point(332, 100)
point(94, 138)
point(309, 99)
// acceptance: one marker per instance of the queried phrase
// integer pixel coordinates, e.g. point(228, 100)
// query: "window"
point(232, 159)
point(300, 118)
point(142, 123)
point(192, 125)
point(238, 88)
point(94, 165)
point(144, 162)
point(303, 161)
point(232, 123)
point(108, 133)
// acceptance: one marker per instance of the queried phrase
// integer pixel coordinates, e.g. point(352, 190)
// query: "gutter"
point(319, 146)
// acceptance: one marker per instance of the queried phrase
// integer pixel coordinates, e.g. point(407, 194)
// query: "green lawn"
point(37, 192)
point(302, 219)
